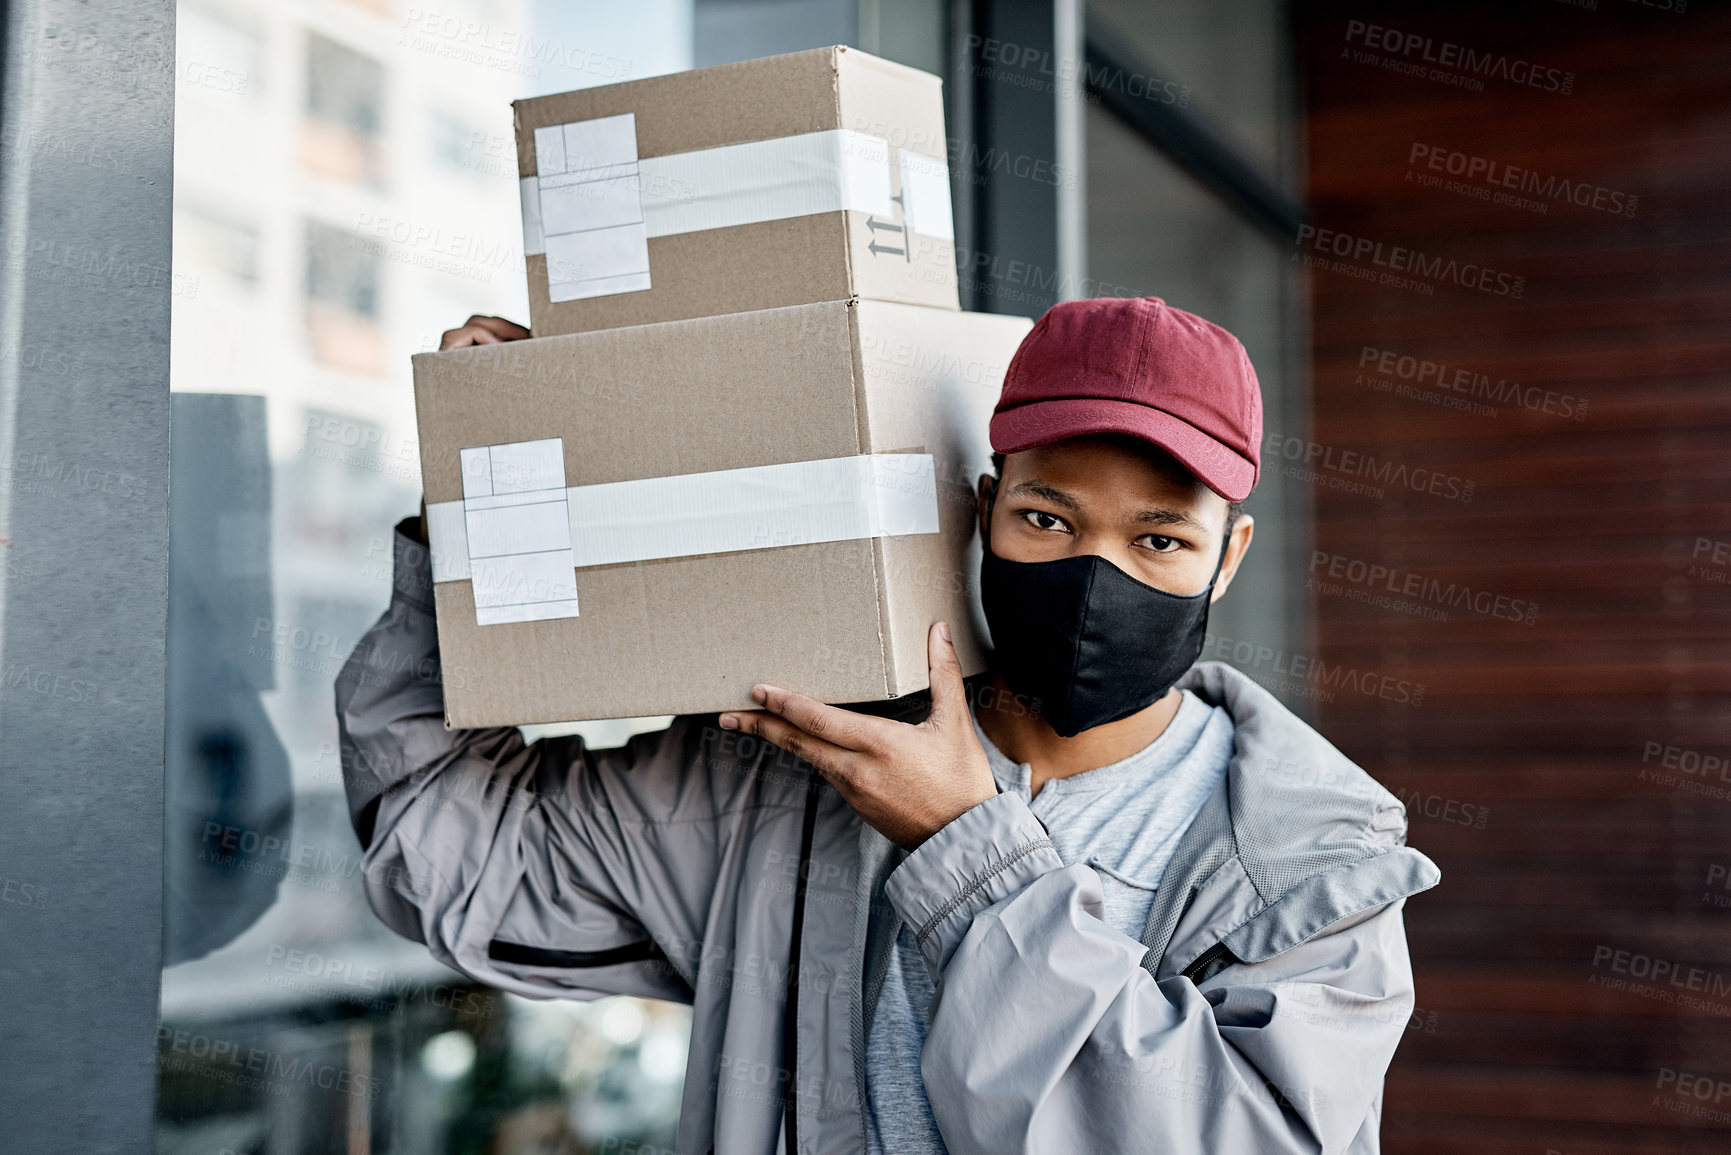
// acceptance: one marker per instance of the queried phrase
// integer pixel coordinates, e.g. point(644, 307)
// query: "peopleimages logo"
point(1351, 463)
point(1495, 175)
point(1428, 376)
point(1362, 577)
point(1454, 63)
point(1398, 260)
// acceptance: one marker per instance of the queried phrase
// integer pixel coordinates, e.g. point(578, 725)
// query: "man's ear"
point(983, 493)
point(1242, 531)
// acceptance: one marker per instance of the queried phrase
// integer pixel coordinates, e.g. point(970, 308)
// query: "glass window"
point(342, 300)
point(340, 272)
point(332, 228)
point(342, 136)
point(344, 87)
point(1155, 230)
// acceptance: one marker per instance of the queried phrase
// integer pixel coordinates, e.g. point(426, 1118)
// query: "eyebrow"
point(1169, 517)
point(1161, 516)
point(1049, 493)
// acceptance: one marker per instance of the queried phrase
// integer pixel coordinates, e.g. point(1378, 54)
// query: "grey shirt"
point(1123, 820)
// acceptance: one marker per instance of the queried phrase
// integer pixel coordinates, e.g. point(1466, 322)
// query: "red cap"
point(1137, 366)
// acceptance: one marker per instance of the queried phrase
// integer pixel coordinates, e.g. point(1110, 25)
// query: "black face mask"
point(1088, 642)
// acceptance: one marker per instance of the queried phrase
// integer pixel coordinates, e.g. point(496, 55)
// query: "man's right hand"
point(480, 330)
point(477, 330)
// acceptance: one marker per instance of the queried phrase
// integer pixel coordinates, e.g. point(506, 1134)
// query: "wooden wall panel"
point(1529, 767)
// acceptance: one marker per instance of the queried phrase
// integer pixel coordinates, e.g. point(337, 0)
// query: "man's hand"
point(907, 781)
point(478, 330)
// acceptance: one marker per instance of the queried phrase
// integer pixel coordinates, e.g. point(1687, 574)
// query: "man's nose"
point(1117, 552)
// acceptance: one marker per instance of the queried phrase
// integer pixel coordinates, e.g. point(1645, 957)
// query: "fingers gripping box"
point(815, 176)
point(652, 519)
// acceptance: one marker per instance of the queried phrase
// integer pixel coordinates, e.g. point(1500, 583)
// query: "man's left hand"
point(907, 781)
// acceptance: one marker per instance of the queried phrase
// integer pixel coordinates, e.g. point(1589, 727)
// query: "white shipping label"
point(588, 210)
point(597, 263)
point(516, 530)
point(573, 203)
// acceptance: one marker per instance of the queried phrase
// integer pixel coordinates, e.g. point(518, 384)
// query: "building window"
point(343, 278)
point(342, 136)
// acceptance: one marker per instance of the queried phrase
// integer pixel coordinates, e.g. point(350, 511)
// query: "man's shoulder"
point(1312, 834)
point(1272, 745)
point(1290, 792)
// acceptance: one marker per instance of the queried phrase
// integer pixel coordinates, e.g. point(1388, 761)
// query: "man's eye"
point(1160, 544)
point(1040, 519)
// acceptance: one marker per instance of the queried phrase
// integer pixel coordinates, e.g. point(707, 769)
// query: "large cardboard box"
point(650, 520)
point(814, 176)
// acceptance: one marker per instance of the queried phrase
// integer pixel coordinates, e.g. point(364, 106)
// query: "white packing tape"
point(836, 499)
point(529, 192)
point(724, 511)
point(766, 180)
point(926, 195)
point(593, 205)
point(448, 541)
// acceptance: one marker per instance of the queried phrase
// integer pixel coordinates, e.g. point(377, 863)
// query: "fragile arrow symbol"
point(874, 225)
point(877, 248)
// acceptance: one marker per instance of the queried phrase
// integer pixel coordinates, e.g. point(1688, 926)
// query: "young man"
point(1098, 901)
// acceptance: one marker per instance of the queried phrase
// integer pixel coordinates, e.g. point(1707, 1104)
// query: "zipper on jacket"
point(790, 1021)
point(1205, 960)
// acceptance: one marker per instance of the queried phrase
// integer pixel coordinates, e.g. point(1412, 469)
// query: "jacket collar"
point(1316, 837)
point(1296, 802)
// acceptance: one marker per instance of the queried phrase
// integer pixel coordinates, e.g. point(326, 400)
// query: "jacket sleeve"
point(1048, 1035)
point(546, 869)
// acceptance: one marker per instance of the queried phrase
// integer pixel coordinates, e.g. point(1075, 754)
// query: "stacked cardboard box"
point(742, 443)
point(815, 176)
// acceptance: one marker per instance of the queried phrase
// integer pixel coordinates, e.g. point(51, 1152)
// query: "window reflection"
point(227, 773)
point(345, 188)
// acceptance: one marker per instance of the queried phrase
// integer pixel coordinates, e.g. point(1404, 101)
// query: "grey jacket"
point(1258, 1013)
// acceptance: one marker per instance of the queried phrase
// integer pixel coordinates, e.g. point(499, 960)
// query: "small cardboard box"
point(650, 520)
point(815, 176)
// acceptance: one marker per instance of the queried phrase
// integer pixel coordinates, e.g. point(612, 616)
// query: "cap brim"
point(1220, 468)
